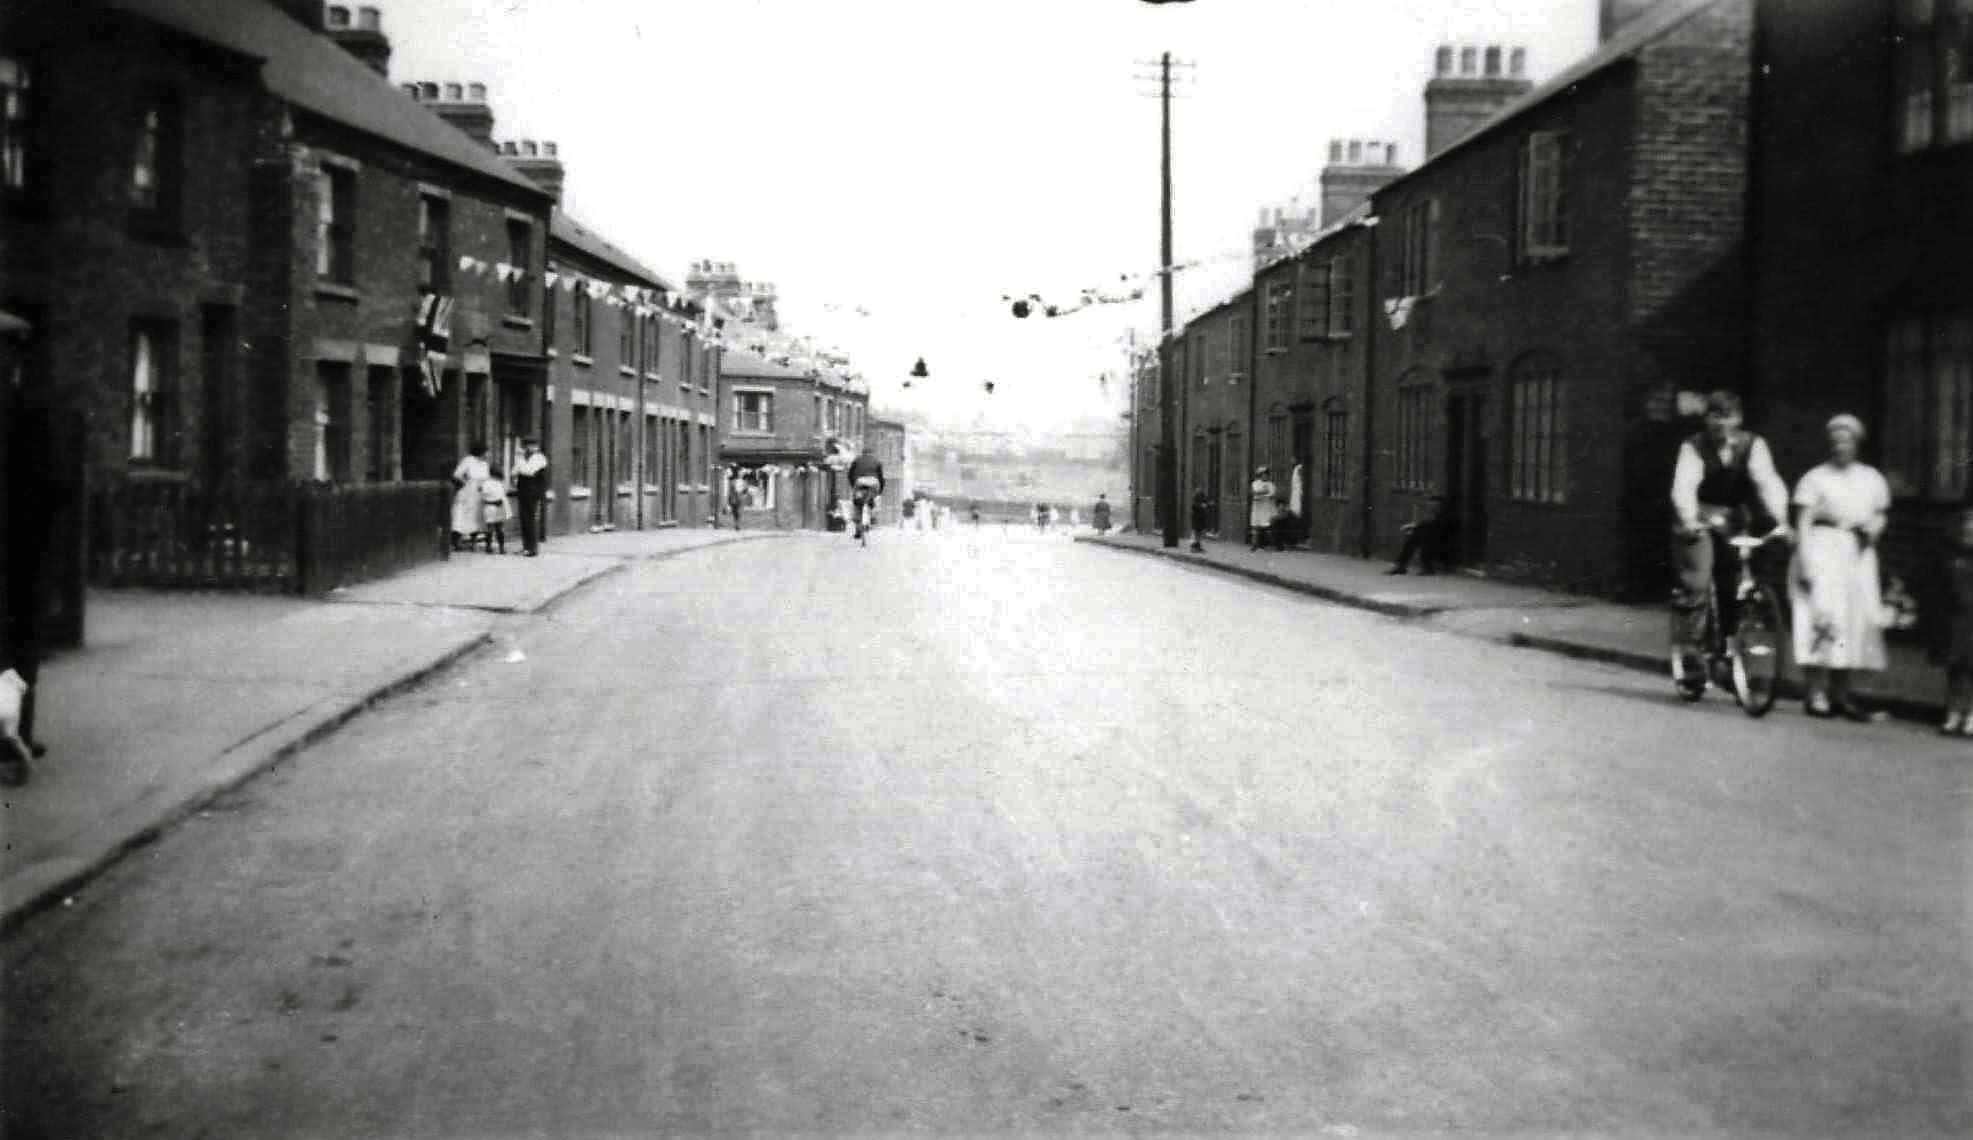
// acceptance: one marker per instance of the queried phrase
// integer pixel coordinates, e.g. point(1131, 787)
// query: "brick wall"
point(368, 323)
point(1465, 338)
point(74, 260)
point(1648, 300)
point(1215, 412)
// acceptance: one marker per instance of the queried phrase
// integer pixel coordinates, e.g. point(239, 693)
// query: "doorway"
point(1468, 433)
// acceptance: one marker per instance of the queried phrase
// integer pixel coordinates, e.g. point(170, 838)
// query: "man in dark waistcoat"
point(1724, 484)
point(531, 489)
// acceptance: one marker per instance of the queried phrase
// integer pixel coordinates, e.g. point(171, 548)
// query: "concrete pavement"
point(1525, 616)
point(179, 696)
point(1019, 837)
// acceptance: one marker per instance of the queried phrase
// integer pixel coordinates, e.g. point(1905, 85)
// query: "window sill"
point(625, 490)
point(332, 291)
point(141, 471)
point(1535, 259)
point(626, 370)
point(514, 322)
point(652, 489)
point(579, 358)
point(578, 492)
point(749, 433)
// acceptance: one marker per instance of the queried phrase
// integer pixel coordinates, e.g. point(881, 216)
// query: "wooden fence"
point(299, 538)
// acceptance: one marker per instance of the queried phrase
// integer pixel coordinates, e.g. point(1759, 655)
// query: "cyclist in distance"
point(866, 477)
point(1725, 479)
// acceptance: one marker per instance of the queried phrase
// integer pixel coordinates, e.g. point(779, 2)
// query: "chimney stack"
point(1486, 80)
point(1357, 169)
point(362, 37)
point(541, 165)
point(462, 105)
point(1613, 15)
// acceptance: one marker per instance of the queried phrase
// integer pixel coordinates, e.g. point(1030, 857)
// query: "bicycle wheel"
point(1756, 652)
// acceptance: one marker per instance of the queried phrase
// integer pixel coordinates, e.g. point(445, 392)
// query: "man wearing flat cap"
point(1724, 484)
point(531, 489)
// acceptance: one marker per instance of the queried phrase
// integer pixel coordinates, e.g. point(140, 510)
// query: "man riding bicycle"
point(866, 478)
point(1724, 480)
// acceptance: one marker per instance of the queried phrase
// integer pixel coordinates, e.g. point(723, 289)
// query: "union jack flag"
point(434, 339)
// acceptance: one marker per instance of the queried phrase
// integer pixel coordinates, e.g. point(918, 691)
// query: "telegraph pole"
point(1167, 398)
point(1168, 505)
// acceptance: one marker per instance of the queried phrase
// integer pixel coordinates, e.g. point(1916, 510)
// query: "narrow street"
point(990, 833)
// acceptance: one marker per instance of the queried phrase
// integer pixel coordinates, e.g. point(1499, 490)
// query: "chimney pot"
point(529, 149)
point(549, 149)
point(1335, 150)
point(338, 16)
point(428, 90)
point(508, 148)
point(1493, 60)
point(453, 93)
point(477, 91)
point(1391, 154)
point(1469, 60)
point(1517, 62)
point(370, 19)
point(410, 89)
point(1443, 65)
point(1356, 152)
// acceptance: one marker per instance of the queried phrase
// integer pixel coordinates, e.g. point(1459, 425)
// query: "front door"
point(1214, 454)
point(1467, 434)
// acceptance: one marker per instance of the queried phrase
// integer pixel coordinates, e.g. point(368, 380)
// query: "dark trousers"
point(1426, 542)
point(1959, 688)
point(1702, 564)
point(531, 504)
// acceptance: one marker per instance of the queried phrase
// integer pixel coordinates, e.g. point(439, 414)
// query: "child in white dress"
point(493, 510)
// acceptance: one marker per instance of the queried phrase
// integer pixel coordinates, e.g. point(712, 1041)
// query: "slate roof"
point(741, 364)
point(309, 70)
point(563, 228)
point(1646, 30)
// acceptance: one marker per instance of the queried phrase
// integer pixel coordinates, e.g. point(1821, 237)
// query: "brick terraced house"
point(630, 402)
point(1547, 284)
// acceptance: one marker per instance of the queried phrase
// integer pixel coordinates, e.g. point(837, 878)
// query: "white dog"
point(13, 690)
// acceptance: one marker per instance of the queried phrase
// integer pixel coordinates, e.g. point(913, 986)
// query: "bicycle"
point(1751, 657)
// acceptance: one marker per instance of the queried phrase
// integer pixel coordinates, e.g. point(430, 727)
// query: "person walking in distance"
point(1202, 517)
point(531, 489)
point(1099, 515)
point(736, 494)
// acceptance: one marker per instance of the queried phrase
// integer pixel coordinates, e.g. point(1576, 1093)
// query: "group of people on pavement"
point(483, 501)
point(1724, 484)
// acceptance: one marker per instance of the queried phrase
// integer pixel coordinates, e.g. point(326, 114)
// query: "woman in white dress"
point(466, 480)
point(1841, 510)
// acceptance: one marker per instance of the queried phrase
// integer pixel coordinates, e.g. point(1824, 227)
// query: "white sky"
point(922, 157)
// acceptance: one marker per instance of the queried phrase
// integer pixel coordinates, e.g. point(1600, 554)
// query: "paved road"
point(1005, 835)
